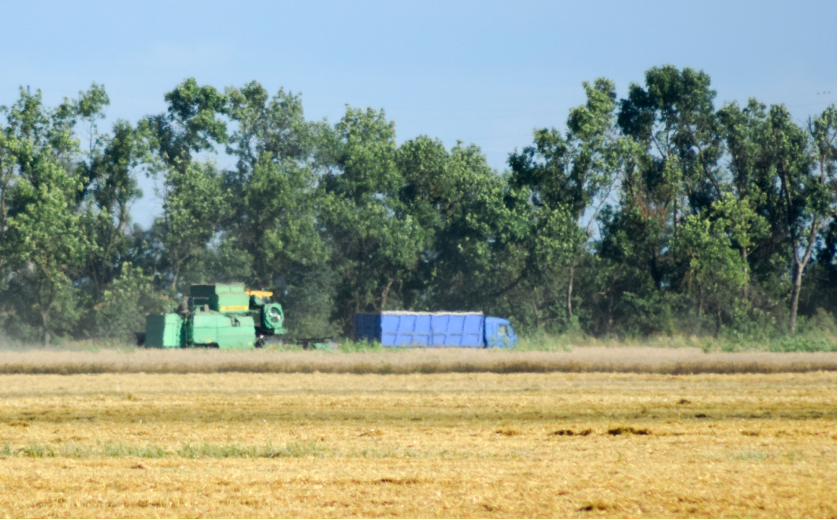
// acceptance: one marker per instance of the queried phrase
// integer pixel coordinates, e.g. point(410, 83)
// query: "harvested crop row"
point(418, 445)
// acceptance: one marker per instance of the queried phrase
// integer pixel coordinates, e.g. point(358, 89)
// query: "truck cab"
point(499, 333)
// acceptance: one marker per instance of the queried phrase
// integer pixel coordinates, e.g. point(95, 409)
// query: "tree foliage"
point(653, 214)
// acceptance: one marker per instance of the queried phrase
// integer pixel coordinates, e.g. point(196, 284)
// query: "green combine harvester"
point(226, 316)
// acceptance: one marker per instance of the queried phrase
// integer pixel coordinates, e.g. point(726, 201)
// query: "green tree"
point(808, 194)
point(715, 271)
point(675, 168)
point(278, 227)
point(818, 292)
point(566, 175)
point(375, 242)
point(274, 184)
point(45, 242)
point(42, 245)
point(674, 117)
point(267, 127)
point(274, 224)
point(473, 253)
point(106, 209)
point(791, 173)
point(193, 123)
point(194, 204)
point(125, 304)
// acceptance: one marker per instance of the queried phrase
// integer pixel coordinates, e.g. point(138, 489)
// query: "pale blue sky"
point(482, 72)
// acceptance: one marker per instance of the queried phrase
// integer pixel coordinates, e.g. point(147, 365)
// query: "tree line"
point(659, 213)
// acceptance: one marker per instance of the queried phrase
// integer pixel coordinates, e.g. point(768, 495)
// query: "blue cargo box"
point(422, 329)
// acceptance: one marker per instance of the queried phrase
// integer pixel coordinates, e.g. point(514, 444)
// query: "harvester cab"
point(267, 317)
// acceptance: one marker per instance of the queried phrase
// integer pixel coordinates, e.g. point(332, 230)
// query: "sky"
point(483, 72)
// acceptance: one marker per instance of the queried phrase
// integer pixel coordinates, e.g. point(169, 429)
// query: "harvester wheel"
point(269, 341)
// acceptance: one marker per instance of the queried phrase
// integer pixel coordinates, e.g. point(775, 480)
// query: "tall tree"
point(789, 174)
point(674, 116)
point(376, 242)
point(673, 120)
point(194, 204)
point(569, 173)
point(267, 126)
point(194, 198)
point(808, 194)
point(192, 123)
point(274, 183)
point(42, 243)
point(472, 255)
point(274, 221)
point(715, 271)
point(106, 209)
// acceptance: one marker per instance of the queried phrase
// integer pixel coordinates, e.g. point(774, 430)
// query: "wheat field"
point(685, 360)
point(418, 445)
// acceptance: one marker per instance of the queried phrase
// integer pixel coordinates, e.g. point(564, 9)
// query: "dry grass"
point(427, 361)
point(418, 445)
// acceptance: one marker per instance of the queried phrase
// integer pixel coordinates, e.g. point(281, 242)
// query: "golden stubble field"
point(418, 445)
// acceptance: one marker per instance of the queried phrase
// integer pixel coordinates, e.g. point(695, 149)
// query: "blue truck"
point(434, 329)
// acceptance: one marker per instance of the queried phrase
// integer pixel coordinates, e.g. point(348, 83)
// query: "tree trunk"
point(2, 213)
point(744, 253)
point(675, 218)
point(797, 277)
point(45, 323)
point(656, 274)
point(384, 294)
point(569, 302)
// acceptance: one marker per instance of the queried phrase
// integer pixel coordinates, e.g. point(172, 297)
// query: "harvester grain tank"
point(220, 315)
point(434, 329)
